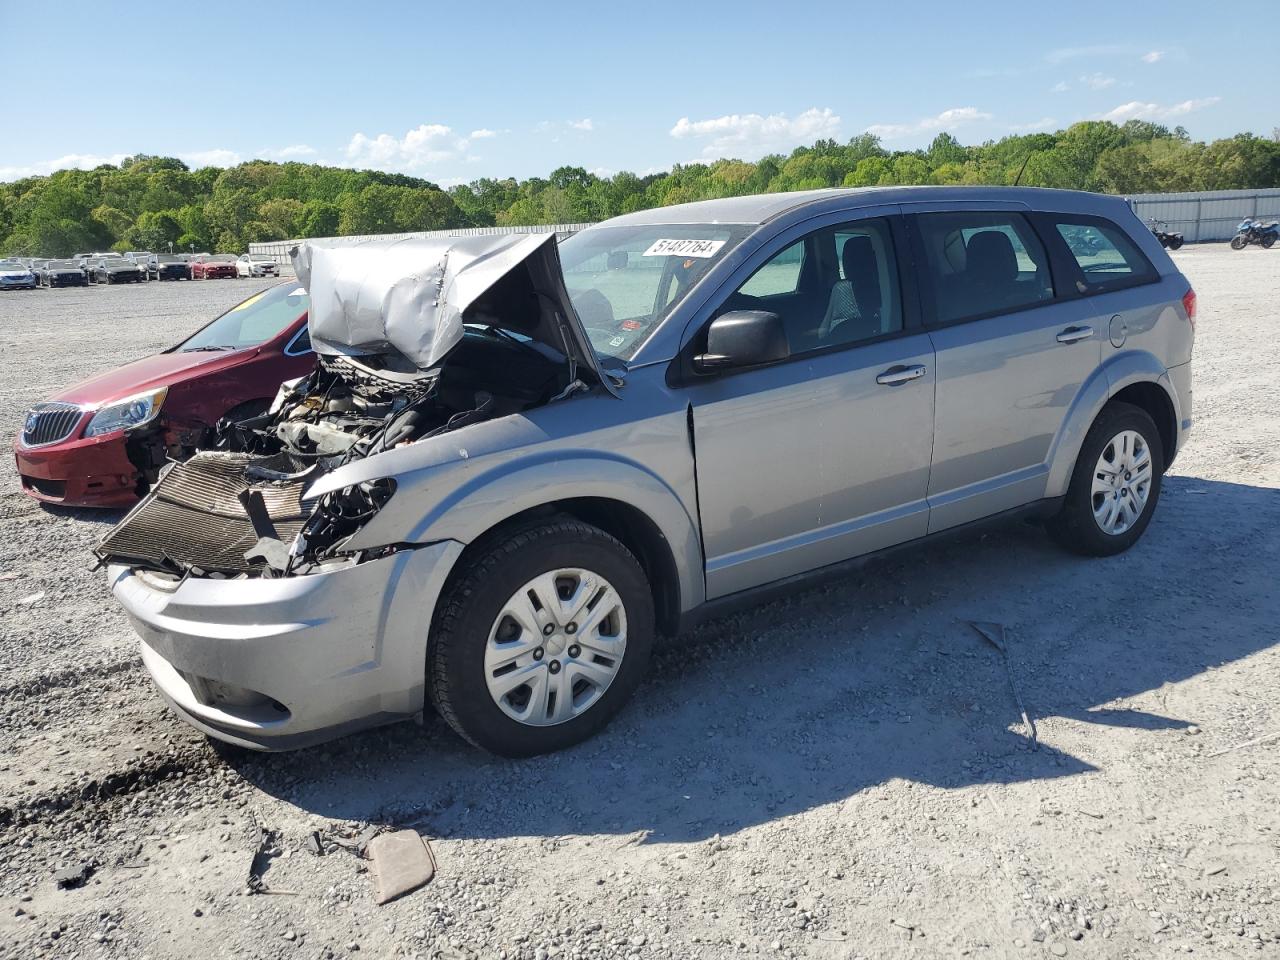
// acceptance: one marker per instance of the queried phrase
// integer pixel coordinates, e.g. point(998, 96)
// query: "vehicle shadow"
point(821, 697)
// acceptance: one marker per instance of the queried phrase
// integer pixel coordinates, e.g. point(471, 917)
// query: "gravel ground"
point(841, 774)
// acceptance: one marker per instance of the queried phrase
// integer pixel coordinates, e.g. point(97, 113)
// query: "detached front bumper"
point(283, 663)
point(91, 472)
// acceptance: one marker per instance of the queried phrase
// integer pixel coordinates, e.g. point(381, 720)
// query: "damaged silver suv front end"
point(238, 569)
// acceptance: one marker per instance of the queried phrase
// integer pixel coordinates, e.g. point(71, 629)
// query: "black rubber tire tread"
point(1074, 526)
point(465, 614)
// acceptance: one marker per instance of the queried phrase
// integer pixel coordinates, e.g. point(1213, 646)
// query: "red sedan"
point(218, 265)
point(102, 442)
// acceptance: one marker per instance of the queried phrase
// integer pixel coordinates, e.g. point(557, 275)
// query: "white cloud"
point(946, 120)
point(289, 153)
point(1063, 54)
point(482, 134)
point(425, 144)
point(210, 158)
point(1137, 110)
point(1060, 87)
point(72, 161)
point(1097, 81)
point(1044, 123)
point(583, 124)
point(749, 135)
point(1155, 56)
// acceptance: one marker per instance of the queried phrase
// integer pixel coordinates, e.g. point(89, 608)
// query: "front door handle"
point(1075, 334)
point(896, 375)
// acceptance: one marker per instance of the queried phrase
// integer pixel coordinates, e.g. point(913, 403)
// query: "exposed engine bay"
point(240, 507)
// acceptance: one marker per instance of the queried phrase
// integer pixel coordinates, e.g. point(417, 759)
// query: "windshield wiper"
point(225, 346)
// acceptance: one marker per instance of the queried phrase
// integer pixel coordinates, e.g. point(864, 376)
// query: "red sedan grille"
point(49, 423)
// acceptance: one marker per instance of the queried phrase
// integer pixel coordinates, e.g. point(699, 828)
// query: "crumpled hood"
point(412, 296)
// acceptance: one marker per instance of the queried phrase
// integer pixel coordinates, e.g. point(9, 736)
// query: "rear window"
point(980, 264)
point(1107, 258)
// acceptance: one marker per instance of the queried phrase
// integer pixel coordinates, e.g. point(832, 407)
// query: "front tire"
point(1175, 243)
point(1239, 242)
point(1115, 485)
point(542, 636)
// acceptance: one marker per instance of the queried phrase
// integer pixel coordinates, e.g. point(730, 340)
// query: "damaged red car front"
point(102, 442)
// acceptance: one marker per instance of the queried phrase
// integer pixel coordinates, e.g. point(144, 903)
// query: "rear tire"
point(1269, 241)
point(475, 642)
point(1098, 518)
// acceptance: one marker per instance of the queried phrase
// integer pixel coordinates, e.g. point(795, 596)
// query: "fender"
point(461, 499)
point(1116, 373)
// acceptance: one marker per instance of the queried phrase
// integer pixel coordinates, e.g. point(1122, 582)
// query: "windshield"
point(64, 264)
point(260, 258)
point(117, 262)
point(253, 322)
point(168, 258)
point(624, 281)
point(223, 258)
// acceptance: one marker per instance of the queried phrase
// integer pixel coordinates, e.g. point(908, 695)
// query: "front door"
point(823, 456)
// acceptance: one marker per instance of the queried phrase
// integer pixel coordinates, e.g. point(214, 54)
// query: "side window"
point(780, 275)
point(979, 264)
point(1107, 258)
point(837, 285)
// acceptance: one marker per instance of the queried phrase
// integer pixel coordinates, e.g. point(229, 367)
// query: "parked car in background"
point(147, 261)
point(515, 464)
point(38, 268)
point(64, 273)
point(15, 275)
point(210, 267)
point(172, 266)
point(102, 442)
point(256, 265)
point(117, 270)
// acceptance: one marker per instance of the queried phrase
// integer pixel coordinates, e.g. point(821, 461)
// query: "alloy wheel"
point(555, 647)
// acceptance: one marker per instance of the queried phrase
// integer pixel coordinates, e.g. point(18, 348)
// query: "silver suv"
point(517, 462)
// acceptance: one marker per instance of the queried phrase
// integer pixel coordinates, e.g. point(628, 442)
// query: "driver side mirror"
point(743, 338)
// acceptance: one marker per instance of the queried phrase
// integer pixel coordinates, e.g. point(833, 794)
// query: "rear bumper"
point(93, 472)
point(1180, 382)
point(279, 664)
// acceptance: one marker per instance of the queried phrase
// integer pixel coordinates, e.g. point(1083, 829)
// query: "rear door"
point(824, 456)
point(1011, 355)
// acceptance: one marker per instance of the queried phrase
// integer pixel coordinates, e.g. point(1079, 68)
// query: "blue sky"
point(452, 92)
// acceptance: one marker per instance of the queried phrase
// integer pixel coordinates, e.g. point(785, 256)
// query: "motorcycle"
point(1168, 239)
point(1255, 231)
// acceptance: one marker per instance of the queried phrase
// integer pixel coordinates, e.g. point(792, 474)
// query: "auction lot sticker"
point(704, 249)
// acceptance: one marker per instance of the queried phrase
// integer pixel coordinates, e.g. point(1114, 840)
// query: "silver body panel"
point(749, 477)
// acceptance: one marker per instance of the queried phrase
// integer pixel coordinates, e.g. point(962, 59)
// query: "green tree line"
point(158, 203)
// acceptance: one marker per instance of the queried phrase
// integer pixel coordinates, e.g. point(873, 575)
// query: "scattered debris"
point(315, 844)
point(903, 925)
point(1214, 869)
point(993, 633)
point(402, 862)
point(1192, 730)
point(30, 598)
point(263, 853)
point(1256, 741)
point(74, 877)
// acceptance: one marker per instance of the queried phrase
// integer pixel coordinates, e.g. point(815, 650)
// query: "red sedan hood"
point(163, 369)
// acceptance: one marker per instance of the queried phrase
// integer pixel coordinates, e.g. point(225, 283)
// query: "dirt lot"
point(842, 774)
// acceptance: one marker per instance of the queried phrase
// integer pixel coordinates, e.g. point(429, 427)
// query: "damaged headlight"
point(341, 513)
point(129, 412)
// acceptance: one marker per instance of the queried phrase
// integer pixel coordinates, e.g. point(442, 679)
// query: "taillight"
point(1189, 304)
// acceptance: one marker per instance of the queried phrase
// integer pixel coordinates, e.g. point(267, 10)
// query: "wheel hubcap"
point(1121, 482)
point(555, 647)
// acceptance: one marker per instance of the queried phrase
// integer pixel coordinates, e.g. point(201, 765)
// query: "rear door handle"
point(896, 375)
point(1075, 334)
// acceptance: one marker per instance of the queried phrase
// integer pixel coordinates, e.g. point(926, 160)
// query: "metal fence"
point(1208, 215)
point(278, 250)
